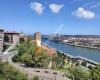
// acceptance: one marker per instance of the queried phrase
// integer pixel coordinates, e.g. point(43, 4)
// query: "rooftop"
point(1, 30)
point(11, 33)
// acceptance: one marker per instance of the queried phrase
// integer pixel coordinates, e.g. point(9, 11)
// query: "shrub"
point(36, 78)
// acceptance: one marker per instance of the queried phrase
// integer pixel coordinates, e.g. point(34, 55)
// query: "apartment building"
point(13, 37)
point(1, 40)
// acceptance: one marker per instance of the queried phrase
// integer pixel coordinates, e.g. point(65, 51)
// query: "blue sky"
point(51, 16)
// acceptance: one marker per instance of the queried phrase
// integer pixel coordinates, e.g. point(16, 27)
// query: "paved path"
point(44, 74)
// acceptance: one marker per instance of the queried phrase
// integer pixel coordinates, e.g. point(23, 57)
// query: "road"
point(44, 74)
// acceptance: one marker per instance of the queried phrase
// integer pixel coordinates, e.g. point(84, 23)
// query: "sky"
point(70, 17)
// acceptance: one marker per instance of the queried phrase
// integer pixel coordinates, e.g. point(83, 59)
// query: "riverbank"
point(76, 45)
point(80, 46)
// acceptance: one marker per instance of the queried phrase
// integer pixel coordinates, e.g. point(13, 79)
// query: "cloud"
point(37, 7)
point(95, 5)
point(83, 13)
point(87, 4)
point(91, 5)
point(55, 8)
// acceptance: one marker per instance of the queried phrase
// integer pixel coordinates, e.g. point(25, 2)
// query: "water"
point(92, 54)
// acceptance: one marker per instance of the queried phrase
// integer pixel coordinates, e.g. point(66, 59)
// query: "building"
point(1, 40)
point(37, 38)
point(13, 37)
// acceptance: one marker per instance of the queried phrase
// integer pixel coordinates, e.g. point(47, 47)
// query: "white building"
point(13, 37)
point(1, 40)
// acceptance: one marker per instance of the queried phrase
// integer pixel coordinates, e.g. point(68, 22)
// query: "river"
point(92, 54)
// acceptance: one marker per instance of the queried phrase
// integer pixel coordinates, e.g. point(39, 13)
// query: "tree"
point(29, 39)
point(6, 38)
point(76, 73)
point(57, 61)
point(95, 72)
point(21, 40)
point(34, 56)
point(27, 59)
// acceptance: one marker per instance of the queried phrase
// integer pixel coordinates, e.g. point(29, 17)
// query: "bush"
point(21, 40)
point(7, 72)
point(15, 59)
point(36, 78)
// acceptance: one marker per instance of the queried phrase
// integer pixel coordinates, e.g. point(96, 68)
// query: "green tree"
point(34, 56)
point(75, 73)
point(6, 38)
point(29, 38)
point(95, 72)
point(27, 59)
point(59, 61)
point(21, 39)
